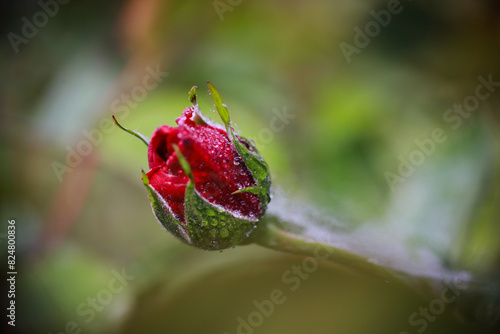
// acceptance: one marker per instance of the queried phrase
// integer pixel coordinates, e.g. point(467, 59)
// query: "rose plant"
point(210, 188)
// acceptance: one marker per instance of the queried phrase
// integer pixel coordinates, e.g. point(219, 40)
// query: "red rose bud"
point(207, 186)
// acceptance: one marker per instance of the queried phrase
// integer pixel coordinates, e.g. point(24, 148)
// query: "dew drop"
point(224, 232)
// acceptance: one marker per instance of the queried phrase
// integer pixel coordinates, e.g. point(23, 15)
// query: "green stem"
point(477, 302)
point(277, 238)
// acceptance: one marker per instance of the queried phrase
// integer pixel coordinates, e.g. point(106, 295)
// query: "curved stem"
point(277, 238)
point(286, 234)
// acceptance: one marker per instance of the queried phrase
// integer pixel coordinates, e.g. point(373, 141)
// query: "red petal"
point(217, 167)
point(171, 188)
point(219, 170)
point(158, 151)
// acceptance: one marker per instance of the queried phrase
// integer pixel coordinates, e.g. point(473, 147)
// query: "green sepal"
point(192, 96)
point(163, 213)
point(254, 161)
point(254, 190)
point(221, 109)
point(211, 227)
point(183, 162)
point(136, 134)
point(258, 167)
point(198, 116)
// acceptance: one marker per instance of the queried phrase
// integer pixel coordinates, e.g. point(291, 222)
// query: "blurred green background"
point(91, 256)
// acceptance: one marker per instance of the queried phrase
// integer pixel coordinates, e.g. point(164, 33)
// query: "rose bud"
point(208, 186)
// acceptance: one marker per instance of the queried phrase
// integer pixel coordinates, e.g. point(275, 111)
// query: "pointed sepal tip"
point(136, 134)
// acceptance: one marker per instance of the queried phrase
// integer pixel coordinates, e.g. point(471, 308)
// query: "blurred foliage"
point(351, 123)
